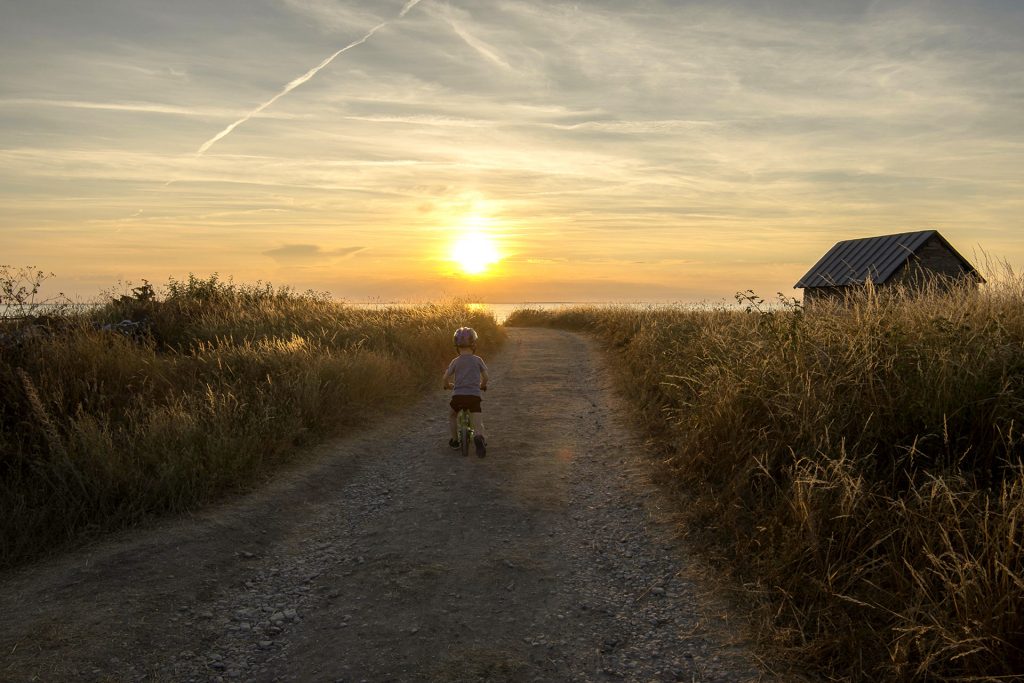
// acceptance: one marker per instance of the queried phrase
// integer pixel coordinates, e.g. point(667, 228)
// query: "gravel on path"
point(390, 557)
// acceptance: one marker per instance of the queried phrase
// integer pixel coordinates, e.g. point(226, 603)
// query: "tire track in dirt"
point(389, 557)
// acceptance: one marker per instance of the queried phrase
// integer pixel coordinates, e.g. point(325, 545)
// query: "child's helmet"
point(465, 336)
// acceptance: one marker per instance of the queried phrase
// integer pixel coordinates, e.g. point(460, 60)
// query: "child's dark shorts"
point(470, 403)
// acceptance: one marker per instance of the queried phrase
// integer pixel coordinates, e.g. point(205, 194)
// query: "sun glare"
point(474, 253)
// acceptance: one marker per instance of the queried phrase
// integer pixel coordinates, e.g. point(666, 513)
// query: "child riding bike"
point(467, 377)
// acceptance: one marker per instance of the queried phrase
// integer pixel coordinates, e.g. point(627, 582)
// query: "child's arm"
point(447, 378)
point(483, 380)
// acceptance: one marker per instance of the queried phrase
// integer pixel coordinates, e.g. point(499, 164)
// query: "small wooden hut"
point(910, 259)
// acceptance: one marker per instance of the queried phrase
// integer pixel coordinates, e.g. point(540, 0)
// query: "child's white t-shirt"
point(467, 369)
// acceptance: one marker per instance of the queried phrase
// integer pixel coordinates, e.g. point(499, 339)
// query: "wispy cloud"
point(161, 72)
point(306, 253)
point(138, 107)
point(294, 83)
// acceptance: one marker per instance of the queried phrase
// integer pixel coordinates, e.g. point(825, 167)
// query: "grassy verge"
point(100, 428)
point(859, 469)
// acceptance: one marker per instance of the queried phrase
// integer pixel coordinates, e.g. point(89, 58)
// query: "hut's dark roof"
point(878, 258)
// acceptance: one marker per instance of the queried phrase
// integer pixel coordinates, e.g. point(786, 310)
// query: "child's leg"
point(477, 420)
point(453, 424)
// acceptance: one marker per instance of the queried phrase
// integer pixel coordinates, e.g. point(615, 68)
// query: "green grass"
point(99, 431)
point(858, 468)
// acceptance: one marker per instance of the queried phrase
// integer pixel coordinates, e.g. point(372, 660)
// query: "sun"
point(475, 252)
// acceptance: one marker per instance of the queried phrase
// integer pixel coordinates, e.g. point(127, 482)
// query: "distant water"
point(502, 311)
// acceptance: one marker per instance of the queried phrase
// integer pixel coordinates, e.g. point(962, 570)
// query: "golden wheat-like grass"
point(859, 467)
point(99, 430)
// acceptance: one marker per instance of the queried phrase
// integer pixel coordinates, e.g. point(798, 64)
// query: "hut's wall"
point(813, 295)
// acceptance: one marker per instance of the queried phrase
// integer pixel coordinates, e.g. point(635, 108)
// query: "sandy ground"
point(389, 557)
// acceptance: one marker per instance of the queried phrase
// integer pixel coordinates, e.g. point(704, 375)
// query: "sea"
point(501, 311)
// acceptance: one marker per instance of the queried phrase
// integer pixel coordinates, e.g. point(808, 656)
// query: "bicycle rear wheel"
point(465, 433)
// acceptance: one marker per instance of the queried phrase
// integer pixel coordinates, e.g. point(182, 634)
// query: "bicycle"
point(465, 431)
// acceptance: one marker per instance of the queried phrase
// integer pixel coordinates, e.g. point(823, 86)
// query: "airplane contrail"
point(293, 84)
point(408, 6)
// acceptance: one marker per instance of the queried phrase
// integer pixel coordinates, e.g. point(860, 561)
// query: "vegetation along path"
point(391, 558)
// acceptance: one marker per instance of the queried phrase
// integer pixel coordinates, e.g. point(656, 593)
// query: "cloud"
point(134, 107)
point(332, 16)
point(304, 253)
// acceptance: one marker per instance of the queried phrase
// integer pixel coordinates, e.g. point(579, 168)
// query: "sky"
point(502, 150)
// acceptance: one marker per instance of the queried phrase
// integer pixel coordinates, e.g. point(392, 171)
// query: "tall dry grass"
point(99, 430)
point(858, 466)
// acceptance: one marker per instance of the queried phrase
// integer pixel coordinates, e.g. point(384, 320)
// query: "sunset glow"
point(678, 150)
point(474, 253)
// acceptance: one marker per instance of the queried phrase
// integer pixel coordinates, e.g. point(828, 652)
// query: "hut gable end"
point(934, 257)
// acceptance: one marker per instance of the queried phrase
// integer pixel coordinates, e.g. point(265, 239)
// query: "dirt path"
point(392, 558)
